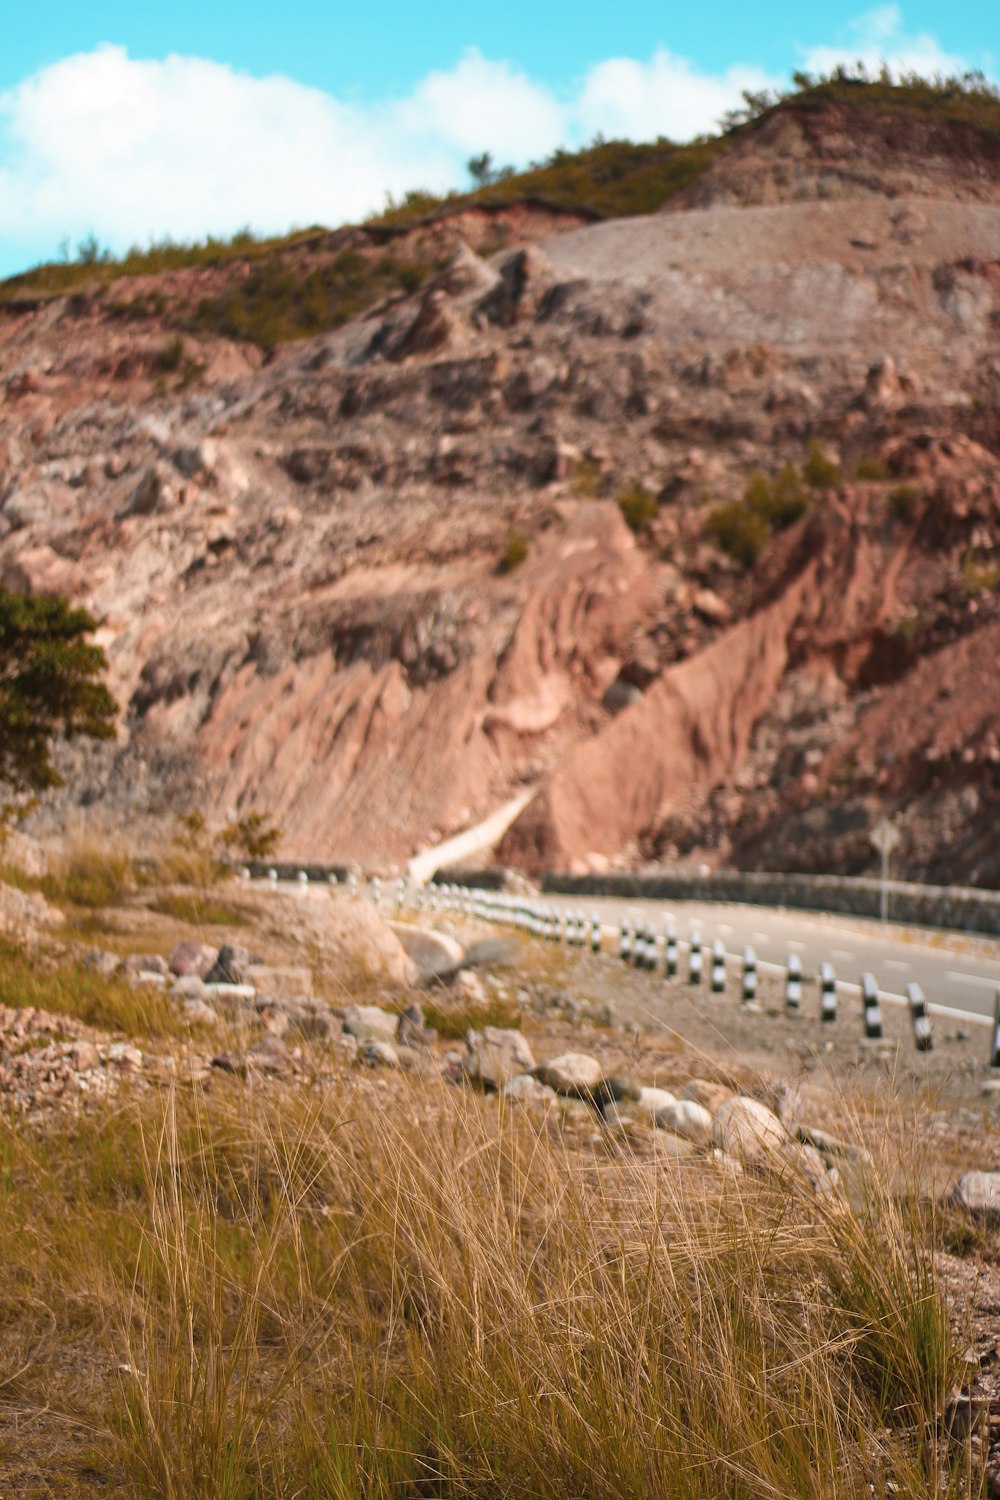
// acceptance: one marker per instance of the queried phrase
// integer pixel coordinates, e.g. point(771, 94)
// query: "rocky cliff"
point(380, 580)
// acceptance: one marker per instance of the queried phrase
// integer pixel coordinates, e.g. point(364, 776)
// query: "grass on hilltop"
point(288, 296)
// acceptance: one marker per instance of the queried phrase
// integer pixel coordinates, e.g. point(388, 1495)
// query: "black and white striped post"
point(921, 1021)
point(827, 993)
point(749, 976)
point(376, 890)
point(793, 983)
point(694, 958)
point(873, 1012)
point(272, 876)
point(995, 1045)
point(595, 933)
point(651, 948)
point(640, 946)
point(581, 929)
point(670, 964)
point(718, 967)
point(400, 893)
point(624, 940)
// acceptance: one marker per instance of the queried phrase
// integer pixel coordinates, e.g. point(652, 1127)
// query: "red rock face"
point(382, 583)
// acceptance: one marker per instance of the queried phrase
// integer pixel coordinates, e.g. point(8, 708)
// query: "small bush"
point(742, 528)
point(252, 836)
point(638, 506)
point(198, 911)
point(515, 550)
point(171, 356)
point(587, 478)
point(453, 1021)
point(820, 472)
point(93, 870)
point(980, 575)
point(904, 500)
point(741, 532)
point(873, 466)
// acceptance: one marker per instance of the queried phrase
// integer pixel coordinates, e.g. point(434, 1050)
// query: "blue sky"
point(133, 121)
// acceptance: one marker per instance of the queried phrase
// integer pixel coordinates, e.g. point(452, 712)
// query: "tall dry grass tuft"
point(321, 1298)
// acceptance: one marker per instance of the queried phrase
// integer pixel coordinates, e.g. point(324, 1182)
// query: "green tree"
point(50, 688)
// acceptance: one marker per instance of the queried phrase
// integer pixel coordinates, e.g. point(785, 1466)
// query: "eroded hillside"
point(381, 580)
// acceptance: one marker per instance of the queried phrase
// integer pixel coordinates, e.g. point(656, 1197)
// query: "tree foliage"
point(50, 687)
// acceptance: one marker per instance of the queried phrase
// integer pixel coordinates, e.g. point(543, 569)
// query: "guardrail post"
point(595, 933)
point(303, 880)
point(828, 993)
point(793, 983)
point(922, 1038)
point(873, 1013)
point(272, 878)
point(749, 975)
point(718, 967)
point(694, 958)
point(670, 964)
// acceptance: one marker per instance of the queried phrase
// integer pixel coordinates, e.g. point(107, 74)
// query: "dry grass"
point(326, 1297)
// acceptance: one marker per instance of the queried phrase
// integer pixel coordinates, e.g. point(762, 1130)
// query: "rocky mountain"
point(491, 537)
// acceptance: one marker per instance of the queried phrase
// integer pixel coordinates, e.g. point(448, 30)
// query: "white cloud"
point(665, 96)
point(880, 36)
point(131, 148)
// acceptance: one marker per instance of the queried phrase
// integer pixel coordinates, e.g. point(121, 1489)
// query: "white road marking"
point(724, 927)
point(896, 963)
point(794, 943)
point(762, 937)
point(841, 953)
point(986, 984)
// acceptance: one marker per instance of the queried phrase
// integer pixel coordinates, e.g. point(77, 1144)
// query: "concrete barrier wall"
point(963, 908)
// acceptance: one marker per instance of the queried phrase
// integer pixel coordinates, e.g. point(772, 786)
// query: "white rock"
point(979, 1194)
point(652, 1099)
point(572, 1073)
point(687, 1119)
point(497, 1056)
point(375, 1053)
point(433, 952)
point(370, 1021)
point(527, 1090)
point(748, 1130)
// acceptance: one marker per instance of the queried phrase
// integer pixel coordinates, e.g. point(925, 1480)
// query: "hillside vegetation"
point(300, 284)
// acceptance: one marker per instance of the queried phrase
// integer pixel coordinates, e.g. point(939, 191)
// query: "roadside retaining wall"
point(961, 908)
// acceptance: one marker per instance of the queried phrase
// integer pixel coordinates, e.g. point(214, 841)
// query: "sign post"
point(884, 837)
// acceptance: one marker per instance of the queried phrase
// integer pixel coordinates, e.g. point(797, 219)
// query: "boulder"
point(191, 957)
point(652, 1100)
point(270, 1055)
point(710, 1095)
point(375, 1053)
point(363, 1021)
point(146, 963)
point(348, 941)
point(275, 979)
point(979, 1194)
point(231, 965)
point(526, 1089)
point(574, 1074)
point(434, 953)
point(685, 1118)
point(747, 1130)
point(496, 1055)
point(411, 1031)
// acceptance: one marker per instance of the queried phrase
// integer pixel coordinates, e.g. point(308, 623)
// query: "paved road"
point(958, 973)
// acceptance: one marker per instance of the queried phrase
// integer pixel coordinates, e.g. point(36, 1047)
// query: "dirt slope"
point(379, 581)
